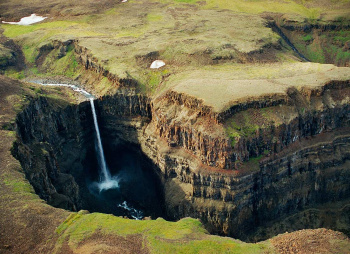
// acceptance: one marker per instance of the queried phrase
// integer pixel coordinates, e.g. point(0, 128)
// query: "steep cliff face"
point(56, 147)
point(290, 172)
point(288, 163)
point(11, 55)
point(240, 206)
point(52, 142)
point(249, 129)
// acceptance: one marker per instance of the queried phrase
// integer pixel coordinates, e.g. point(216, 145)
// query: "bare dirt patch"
point(112, 244)
point(312, 241)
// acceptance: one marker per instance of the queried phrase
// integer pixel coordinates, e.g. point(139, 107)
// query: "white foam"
point(136, 214)
point(108, 184)
point(73, 87)
point(157, 64)
point(26, 21)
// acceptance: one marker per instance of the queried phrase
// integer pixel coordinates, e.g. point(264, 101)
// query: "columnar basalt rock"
point(51, 143)
point(307, 113)
point(203, 174)
point(239, 202)
point(238, 205)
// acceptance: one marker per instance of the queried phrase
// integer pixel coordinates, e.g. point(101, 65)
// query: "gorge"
point(302, 183)
point(175, 126)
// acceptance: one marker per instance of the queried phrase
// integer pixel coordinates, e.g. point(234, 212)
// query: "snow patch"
point(157, 64)
point(27, 20)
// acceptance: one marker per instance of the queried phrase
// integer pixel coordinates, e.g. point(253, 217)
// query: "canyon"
point(237, 135)
point(265, 184)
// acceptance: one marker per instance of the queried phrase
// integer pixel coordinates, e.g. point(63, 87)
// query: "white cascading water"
point(106, 181)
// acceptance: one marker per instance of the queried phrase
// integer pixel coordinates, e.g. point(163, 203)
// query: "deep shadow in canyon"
point(139, 193)
point(56, 147)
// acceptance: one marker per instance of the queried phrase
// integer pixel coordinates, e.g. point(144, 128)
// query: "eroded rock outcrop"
point(254, 166)
point(300, 166)
point(52, 141)
point(270, 128)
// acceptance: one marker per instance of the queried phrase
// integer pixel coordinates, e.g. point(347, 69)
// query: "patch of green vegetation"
point(11, 134)
point(255, 160)
point(53, 65)
point(342, 56)
point(153, 79)
point(341, 36)
point(34, 71)
point(218, 245)
point(13, 73)
point(69, 221)
point(184, 236)
point(260, 6)
point(154, 17)
point(249, 128)
point(327, 47)
point(307, 38)
point(315, 53)
point(233, 135)
point(30, 52)
point(65, 66)
point(19, 185)
point(241, 128)
point(13, 31)
point(37, 90)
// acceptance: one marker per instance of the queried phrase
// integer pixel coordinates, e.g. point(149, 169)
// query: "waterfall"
point(105, 172)
point(106, 182)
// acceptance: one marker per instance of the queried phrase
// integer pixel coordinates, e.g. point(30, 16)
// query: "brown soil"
point(310, 241)
point(112, 244)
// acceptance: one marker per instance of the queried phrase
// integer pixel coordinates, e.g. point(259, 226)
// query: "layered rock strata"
point(286, 156)
point(306, 166)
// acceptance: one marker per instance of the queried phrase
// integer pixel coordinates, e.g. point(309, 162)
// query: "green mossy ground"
point(159, 236)
point(324, 46)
